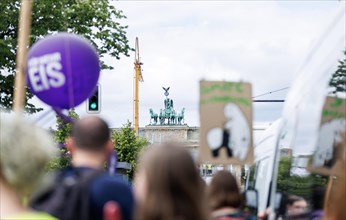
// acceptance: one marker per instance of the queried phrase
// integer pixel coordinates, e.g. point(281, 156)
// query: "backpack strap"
point(80, 194)
point(65, 194)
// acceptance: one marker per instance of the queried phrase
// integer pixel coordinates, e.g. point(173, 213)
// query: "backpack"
point(66, 195)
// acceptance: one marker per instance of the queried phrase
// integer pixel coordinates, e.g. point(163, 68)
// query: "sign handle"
point(327, 193)
point(24, 29)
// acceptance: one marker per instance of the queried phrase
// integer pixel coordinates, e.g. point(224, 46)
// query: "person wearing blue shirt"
point(85, 184)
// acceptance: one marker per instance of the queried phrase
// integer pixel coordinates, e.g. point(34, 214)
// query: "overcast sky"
point(182, 42)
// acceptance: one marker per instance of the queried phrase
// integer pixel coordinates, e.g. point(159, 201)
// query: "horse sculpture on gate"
point(181, 116)
point(172, 118)
point(167, 116)
point(153, 116)
point(162, 117)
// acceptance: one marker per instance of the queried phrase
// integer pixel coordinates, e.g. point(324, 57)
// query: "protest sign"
point(329, 156)
point(226, 122)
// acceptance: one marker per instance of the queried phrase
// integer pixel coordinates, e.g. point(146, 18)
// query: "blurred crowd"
point(167, 184)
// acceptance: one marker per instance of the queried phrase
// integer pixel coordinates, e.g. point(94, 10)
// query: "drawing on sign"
point(234, 136)
point(329, 141)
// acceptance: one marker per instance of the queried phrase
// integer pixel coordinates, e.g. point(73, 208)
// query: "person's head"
point(25, 150)
point(223, 191)
point(90, 136)
point(296, 204)
point(168, 185)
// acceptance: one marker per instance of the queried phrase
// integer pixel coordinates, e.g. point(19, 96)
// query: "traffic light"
point(94, 102)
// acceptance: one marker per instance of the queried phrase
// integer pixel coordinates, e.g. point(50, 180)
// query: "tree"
point(338, 80)
point(128, 146)
point(64, 130)
point(96, 20)
point(296, 185)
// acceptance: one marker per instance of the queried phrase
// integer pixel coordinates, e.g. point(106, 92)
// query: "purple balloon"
point(62, 70)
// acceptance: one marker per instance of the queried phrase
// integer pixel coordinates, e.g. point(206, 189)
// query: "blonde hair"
point(25, 150)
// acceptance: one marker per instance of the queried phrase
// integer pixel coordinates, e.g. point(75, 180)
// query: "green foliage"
point(63, 131)
point(96, 20)
point(338, 80)
point(61, 161)
point(296, 185)
point(128, 146)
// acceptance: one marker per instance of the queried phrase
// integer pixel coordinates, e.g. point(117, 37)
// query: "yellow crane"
point(138, 77)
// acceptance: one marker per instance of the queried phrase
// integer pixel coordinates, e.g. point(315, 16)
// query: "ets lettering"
point(44, 72)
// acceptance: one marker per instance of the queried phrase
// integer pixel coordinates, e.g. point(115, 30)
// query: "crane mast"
point(138, 77)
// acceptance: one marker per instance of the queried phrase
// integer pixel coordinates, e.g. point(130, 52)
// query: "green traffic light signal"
point(93, 106)
point(94, 102)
